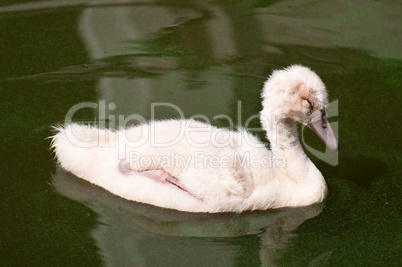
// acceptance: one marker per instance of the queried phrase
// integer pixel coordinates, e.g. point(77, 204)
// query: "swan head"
point(298, 93)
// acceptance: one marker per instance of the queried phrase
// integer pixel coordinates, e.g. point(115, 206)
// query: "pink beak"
point(319, 124)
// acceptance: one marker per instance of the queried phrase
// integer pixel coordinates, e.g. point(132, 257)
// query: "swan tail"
point(86, 151)
point(91, 154)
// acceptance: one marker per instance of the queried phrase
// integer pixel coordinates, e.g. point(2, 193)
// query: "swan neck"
point(283, 135)
point(305, 181)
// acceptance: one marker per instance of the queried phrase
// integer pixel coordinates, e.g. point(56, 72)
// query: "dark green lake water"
point(210, 58)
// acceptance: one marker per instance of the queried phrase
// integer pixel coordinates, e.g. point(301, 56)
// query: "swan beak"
point(320, 125)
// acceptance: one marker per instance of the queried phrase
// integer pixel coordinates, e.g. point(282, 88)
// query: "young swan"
point(192, 166)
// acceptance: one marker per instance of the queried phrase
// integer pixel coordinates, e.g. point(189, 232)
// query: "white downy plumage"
point(200, 168)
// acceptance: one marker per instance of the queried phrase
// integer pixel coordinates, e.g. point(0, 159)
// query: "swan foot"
point(124, 166)
point(174, 181)
point(157, 175)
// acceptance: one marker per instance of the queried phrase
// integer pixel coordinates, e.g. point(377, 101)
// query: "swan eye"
point(310, 104)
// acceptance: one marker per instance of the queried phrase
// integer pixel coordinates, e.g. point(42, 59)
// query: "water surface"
point(209, 58)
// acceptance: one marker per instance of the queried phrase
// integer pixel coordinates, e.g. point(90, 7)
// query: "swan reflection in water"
point(134, 234)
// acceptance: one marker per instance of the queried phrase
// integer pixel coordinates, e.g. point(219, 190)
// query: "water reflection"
point(130, 233)
point(197, 47)
point(124, 32)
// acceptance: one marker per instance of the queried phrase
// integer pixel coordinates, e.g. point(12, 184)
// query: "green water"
point(204, 57)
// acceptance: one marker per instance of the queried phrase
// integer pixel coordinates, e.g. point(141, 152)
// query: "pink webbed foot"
point(157, 175)
point(124, 166)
